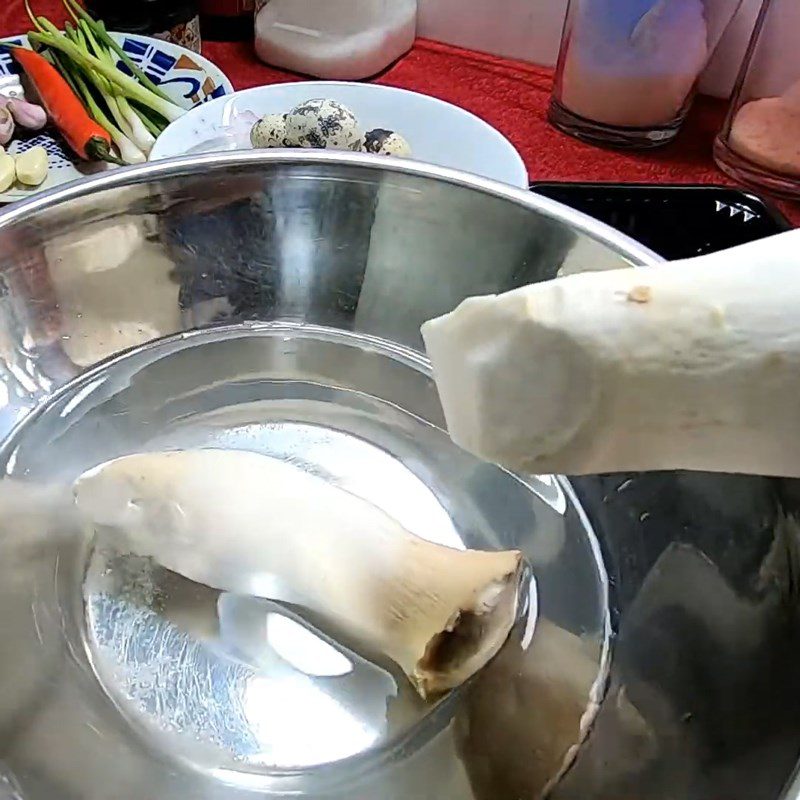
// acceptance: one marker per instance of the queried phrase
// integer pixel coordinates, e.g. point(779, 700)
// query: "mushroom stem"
point(246, 523)
point(692, 365)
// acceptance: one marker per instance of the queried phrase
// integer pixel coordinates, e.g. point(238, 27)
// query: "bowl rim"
point(202, 61)
point(211, 163)
point(313, 85)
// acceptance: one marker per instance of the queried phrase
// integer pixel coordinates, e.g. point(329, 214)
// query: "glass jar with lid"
point(759, 144)
point(627, 69)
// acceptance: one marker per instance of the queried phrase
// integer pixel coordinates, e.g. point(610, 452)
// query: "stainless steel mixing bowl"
point(695, 574)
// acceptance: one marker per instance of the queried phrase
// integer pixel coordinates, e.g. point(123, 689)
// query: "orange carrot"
point(82, 133)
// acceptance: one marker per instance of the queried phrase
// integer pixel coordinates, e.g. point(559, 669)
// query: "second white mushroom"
point(240, 521)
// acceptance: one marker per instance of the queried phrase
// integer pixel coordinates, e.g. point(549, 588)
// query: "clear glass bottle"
point(627, 69)
point(334, 39)
point(759, 144)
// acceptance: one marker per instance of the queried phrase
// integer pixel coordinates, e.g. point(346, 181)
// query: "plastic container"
point(334, 39)
point(627, 69)
point(760, 141)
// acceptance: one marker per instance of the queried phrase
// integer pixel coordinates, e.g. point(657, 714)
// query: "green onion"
point(128, 151)
point(140, 134)
point(86, 42)
point(126, 85)
point(148, 123)
point(72, 14)
point(99, 30)
point(127, 118)
point(154, 117)
point(61, 67)
point(134, 110)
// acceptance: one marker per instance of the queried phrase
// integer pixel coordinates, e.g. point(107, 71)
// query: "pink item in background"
point(767, 131)
point(759, 143)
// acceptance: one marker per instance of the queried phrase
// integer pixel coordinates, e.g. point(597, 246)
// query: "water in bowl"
point(119, 678)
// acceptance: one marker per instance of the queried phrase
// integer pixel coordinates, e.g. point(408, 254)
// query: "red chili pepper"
point(83, 134)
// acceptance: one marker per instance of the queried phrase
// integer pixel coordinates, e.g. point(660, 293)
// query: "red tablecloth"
point(510, 95)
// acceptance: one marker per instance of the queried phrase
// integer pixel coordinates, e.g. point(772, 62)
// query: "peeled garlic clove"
point(6, 126)
point(7, 171)
point(32, 166)
point(238, 521)
point(26, 114)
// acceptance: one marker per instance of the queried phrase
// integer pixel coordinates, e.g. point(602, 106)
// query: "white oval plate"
point(188, 78)
point(438, 132)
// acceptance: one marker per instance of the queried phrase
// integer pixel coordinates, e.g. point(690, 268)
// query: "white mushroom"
point(692, 365)
point(240, 521)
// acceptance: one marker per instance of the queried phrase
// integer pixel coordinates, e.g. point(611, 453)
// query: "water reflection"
point(245, 675)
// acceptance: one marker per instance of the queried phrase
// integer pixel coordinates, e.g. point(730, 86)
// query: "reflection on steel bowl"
point(272, 301)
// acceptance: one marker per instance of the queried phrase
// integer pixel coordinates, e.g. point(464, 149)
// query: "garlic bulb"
point(26, 114)
point(240, 521)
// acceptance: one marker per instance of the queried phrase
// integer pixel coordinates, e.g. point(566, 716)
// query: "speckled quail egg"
point(269, 131)
point(323, 123)
point(386, 143)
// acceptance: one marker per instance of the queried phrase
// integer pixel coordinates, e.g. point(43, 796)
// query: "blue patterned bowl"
point(188, 78)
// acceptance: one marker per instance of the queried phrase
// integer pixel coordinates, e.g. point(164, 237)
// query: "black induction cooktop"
point(675, 221)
